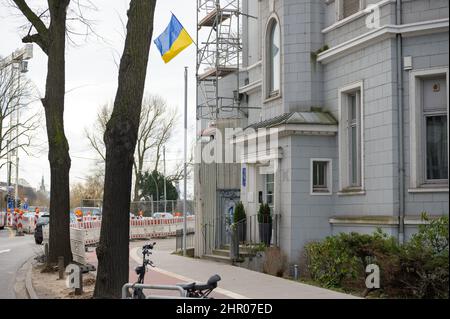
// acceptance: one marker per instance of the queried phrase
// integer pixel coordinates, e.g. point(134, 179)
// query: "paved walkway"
point(236, 282)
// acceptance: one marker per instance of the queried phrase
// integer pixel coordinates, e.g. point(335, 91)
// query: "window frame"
point(270, 94)
point(346, 185)
point(328, 174)
point(418, 181)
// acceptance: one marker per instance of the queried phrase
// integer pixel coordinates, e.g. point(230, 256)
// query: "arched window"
point(273, 58)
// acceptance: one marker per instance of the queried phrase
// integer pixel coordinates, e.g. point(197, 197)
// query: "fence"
point(87, 232)
point(190, 233)
point(148, 207)
point(255, 231)
point(171, 206)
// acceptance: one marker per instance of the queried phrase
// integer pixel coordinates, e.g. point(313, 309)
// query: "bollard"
point(46, 253)
point(296, 272)
point(79, 290)
point(61, 267)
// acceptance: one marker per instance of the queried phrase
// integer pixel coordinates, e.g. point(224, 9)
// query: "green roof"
point(317, 118)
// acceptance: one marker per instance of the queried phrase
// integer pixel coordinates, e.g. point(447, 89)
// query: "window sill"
point(272, 98)
point(352, 192)
point(443, 189)
point(321, 194)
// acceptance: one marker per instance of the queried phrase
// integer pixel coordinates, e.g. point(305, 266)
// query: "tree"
point(120, 141)
point(52, 40)
point(157, 122)
point(91, 189)
point(15, 98)
point(152, 185)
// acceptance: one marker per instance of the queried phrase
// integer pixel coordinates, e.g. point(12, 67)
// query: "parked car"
point(162, 215)
point(43, 220)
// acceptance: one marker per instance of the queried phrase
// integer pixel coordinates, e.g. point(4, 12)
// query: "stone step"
point(243, 250)
point(221, 252)
point(217, 258)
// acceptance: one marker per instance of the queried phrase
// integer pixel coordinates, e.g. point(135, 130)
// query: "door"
point(227, 200)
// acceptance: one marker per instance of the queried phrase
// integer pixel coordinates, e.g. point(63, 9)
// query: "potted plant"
point(265, 224)
point(240, 220)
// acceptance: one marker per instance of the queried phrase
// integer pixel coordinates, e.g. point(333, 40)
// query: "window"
point(350, 7)
point(269, 187)
point(436, 147)
point(350, 138)
point(354, 124)
point(435, 130)
point(429, 130)
point(321, 180)
point(347, 8)
point(273, 58)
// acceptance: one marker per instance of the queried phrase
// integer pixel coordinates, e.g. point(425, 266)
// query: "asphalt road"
point(14, 252)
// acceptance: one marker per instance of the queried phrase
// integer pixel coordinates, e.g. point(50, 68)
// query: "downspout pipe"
point(401, 155)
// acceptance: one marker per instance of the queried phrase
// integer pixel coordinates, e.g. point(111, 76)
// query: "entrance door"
point(227, 200)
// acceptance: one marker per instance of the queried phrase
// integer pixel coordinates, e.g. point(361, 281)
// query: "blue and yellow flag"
point(173, 40)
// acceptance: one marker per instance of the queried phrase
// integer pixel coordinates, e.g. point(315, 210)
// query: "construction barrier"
point(28, 223)
point(87, 232)
point(20, 224)
point(9, 219)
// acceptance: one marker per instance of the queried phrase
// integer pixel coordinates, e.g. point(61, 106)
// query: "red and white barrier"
point(87, 231)
point(9, 219)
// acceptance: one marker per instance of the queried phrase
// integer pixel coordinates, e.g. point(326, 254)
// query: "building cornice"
point(383, 33)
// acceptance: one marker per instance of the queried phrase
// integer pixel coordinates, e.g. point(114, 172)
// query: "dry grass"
point(275, 262)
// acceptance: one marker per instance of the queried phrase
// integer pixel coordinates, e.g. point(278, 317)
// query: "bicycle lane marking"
point(134, 255)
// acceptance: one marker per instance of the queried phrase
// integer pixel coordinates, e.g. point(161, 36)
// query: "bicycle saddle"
point(211, 284)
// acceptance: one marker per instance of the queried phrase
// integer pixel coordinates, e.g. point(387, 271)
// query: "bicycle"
point(191, 290)
point(141, 270)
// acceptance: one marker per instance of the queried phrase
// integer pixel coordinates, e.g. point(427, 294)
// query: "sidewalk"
point(236, 282)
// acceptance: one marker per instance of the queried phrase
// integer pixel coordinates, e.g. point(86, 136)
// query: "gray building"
point(358, 93)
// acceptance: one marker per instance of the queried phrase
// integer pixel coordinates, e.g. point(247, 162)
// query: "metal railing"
point(189, 239)
point(126, 291)
point(254, 230)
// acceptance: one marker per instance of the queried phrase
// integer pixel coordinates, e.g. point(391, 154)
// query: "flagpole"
point(185, 158)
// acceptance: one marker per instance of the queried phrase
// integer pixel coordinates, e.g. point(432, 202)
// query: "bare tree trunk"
point(52, 41)
point(58, 155)
point(120, 140)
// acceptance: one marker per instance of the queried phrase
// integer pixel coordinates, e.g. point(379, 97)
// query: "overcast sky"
point(91, 79)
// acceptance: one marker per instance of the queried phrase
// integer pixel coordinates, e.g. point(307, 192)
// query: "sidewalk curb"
point(28, 281)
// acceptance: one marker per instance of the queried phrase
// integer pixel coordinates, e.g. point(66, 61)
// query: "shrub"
point(275, 262)
point(418, 269)
point(424, 261)
point(330, 262)
point(239, 213)
point(264, 215)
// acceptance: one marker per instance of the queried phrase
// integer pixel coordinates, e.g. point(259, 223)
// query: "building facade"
point(357, 91)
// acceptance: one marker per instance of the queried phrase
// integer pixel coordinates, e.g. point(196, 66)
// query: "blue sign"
point(10, 204)
point(244, 176)
point(25, 206)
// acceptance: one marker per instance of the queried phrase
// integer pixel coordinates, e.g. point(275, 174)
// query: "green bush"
point(340, 260)
point(239, 213)
point(417, 269)
point(424, 261)
point(264, 215)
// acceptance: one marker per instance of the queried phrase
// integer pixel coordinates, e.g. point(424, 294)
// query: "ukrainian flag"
point(173, 40)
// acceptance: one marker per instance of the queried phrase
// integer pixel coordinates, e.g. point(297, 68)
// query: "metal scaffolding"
point(219, 54)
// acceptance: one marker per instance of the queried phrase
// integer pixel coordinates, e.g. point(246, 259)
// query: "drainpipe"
point(401, 156)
